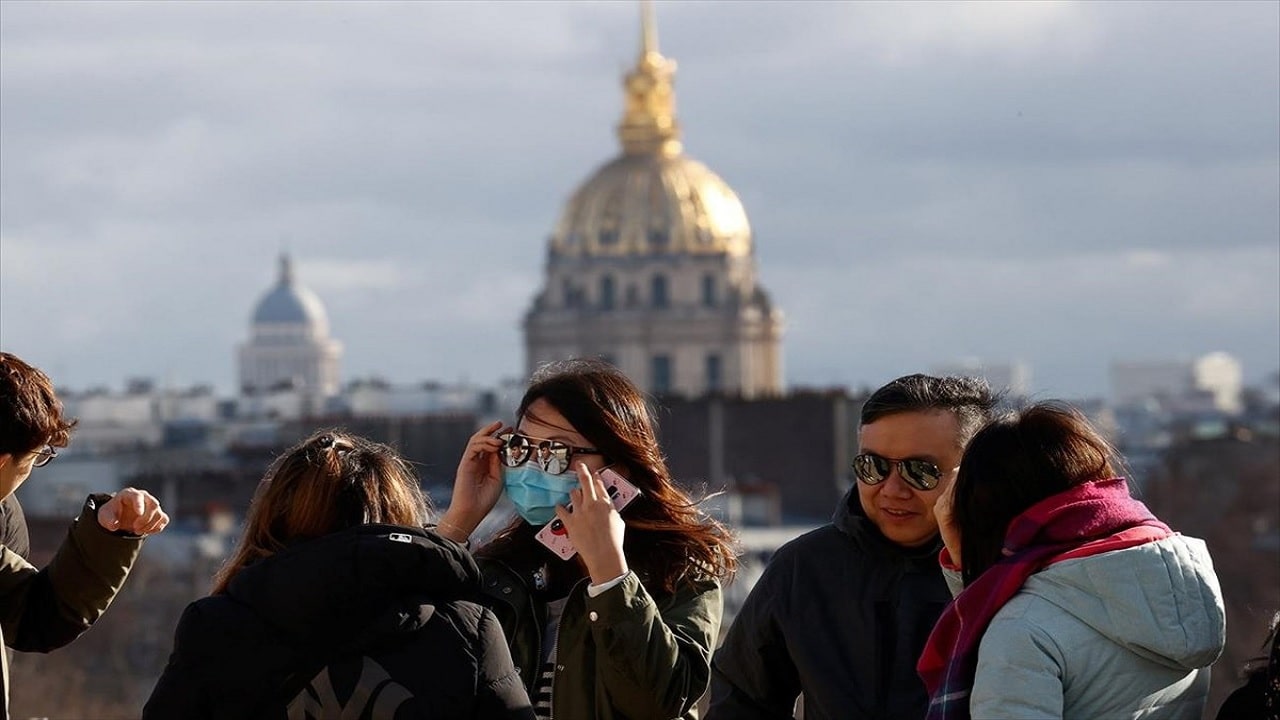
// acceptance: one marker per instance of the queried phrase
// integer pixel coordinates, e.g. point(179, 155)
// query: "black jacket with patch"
point(840, 615)
point(376, 622)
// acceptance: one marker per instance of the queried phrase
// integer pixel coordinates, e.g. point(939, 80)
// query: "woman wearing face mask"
point(626, 627)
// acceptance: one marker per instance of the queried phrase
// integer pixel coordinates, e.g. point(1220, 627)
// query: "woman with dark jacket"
point(626, 626)
point(336, 603)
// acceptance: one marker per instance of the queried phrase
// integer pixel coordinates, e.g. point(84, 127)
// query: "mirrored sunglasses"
point(873, 469)
point(552, 456)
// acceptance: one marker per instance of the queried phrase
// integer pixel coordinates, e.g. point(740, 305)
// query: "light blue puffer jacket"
point(1125, 634)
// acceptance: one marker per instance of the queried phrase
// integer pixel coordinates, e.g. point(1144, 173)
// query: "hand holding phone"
point(554, 535)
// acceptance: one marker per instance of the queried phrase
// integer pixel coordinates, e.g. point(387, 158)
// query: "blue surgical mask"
point(536, 493)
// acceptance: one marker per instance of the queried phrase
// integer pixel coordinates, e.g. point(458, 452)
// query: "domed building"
point(289, 345)
point(651, 266)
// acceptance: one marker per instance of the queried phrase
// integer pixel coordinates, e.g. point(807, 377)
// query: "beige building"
point(1212, 381)
point(651, 266)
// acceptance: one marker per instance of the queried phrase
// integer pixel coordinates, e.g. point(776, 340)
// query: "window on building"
point(709, 290)
point(658, 290)
point(660, 374)
point(607, 293)
point(714, 380)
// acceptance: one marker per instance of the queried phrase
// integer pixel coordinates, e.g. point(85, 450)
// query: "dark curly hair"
point(30, 412)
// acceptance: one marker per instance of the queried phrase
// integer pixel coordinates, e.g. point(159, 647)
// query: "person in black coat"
point(841, 613)
point(337, 603)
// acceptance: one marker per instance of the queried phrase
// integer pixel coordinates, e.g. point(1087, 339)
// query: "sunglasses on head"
point(552, 456)
point(873, 469)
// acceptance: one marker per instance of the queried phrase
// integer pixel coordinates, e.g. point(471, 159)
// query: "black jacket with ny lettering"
point(376, 622)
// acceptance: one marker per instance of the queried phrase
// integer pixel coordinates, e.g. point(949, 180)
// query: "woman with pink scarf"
point(1076, 602)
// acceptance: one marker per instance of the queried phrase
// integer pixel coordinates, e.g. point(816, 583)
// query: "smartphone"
point(553, 534)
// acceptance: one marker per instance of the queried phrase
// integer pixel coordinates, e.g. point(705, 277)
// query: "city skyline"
point(1058, 184)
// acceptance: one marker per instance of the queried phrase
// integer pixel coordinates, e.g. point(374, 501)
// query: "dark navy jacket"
point(376, 622)
point(840, 615)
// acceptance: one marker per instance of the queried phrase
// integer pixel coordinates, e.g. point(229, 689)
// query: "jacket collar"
point(357, 577)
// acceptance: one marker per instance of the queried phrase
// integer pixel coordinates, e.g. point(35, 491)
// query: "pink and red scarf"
point(1088, 519)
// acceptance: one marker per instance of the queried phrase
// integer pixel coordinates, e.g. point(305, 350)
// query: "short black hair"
point(969, 398)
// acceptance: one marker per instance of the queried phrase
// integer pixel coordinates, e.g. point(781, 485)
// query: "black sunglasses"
point(919, 474)
point(552, 456)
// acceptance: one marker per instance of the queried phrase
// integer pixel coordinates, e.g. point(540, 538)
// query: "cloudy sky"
point(1063, 184)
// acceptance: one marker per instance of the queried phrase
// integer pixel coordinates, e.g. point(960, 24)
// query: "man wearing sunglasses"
point(841, 614)
point(41, 610)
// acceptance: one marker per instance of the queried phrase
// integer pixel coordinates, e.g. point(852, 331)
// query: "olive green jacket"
point(41, 610)
point(622, 654)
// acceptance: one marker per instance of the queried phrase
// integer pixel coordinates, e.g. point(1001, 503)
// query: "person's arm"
point(1019, 673)
point(752, 675)
point(655, 661)
point(46, 609)
point(476, 486)
point(500, 694)
point(180, 693)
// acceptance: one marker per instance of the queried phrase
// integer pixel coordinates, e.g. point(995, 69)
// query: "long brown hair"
point(668, 537)
point(1015, 462)
point(326, 483)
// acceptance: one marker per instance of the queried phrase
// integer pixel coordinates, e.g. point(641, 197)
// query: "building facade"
point(652, 267)
point(1209, 383)
point(289, 344)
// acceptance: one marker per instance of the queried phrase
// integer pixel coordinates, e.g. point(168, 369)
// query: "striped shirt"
point(547, 672)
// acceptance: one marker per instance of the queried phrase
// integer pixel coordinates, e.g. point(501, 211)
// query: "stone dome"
point(289, 303)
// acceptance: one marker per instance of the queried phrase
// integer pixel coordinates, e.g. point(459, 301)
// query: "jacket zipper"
point(555, 668)
point(534, 617)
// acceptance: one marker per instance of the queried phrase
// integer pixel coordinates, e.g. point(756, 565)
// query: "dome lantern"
point(290, 303)
point(649, 125)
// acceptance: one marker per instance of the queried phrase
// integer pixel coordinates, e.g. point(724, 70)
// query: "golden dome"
point(650, 204)
point(652, 200)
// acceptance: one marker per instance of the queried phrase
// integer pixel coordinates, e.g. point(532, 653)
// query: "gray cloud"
point(1062, 183)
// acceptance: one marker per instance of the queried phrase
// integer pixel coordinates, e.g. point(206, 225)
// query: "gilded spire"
point(649, 124)
point(648, 29)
